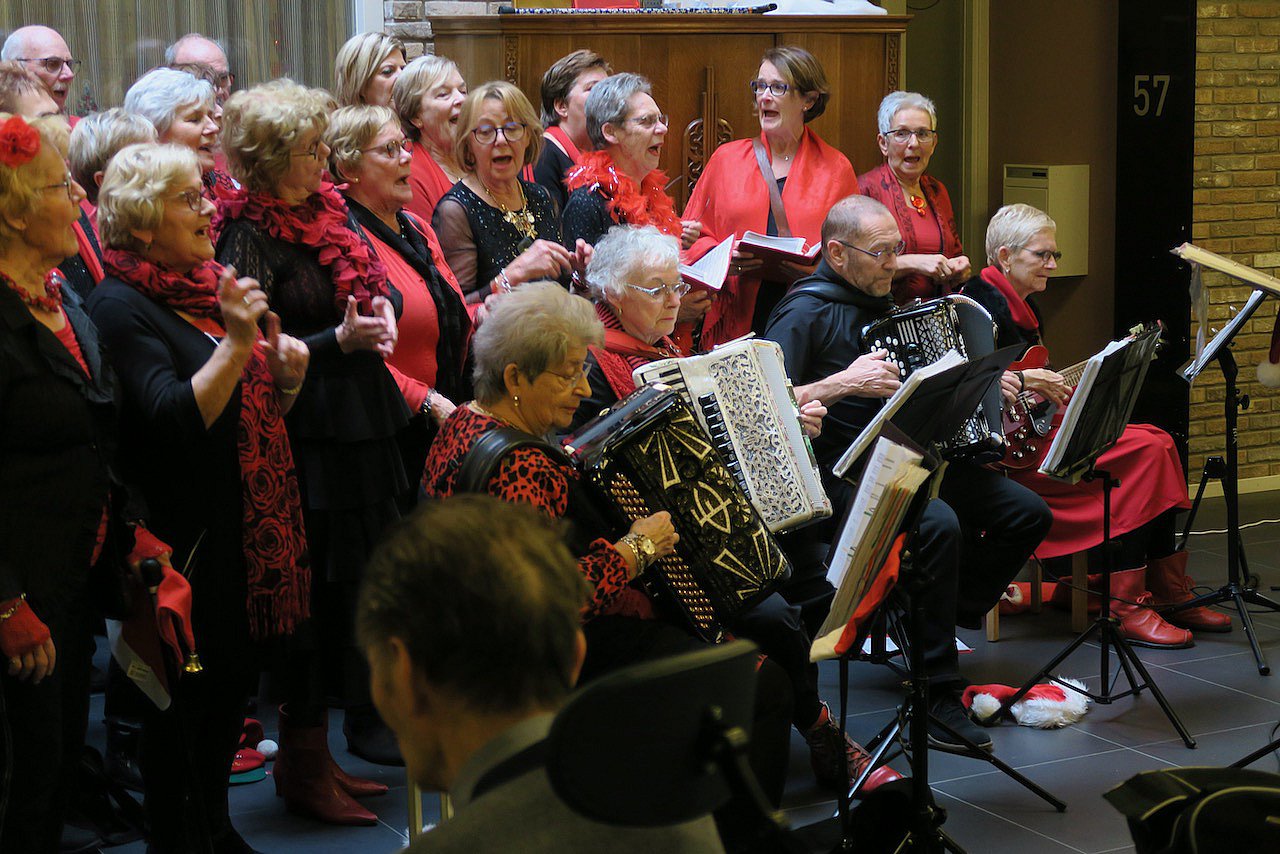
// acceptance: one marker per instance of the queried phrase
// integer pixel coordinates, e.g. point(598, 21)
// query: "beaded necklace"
point(50, 302)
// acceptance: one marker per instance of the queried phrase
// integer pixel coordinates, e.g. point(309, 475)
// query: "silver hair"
point(622, 253)
point(95, 140)
point(1014, 226)
point(160, 93)
point(171, 52)
point(896, 102)
point(607, 103)
point(533, 328)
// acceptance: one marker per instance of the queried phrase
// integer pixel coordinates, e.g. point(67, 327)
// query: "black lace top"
point(478, 242)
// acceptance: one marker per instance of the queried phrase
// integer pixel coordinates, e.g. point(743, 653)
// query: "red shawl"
point(622, 352)
point(647, 204)
point(428, 181)
point(273, 539)
point(882, 185)
point(1022, 314)
point(320, 222)
point(89, 243)
point(731, 198)
point(560, 140)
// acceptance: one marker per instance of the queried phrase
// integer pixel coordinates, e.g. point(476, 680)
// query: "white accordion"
point(741, 395)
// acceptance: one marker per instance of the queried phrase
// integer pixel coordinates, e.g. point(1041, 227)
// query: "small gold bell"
point(193, 664)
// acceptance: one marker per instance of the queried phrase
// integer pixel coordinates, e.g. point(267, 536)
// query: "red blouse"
point(428, 181)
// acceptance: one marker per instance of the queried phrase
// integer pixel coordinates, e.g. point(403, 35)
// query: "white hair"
point(160, 93)
point(624, 251)
point(1014, 226)
point(171, 52)
point(896, 102)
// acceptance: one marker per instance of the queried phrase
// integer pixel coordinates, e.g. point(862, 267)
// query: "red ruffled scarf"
point(320, 223)
point(622, 352)
point(1022, 314)
point(273, 537)
point(647, 204)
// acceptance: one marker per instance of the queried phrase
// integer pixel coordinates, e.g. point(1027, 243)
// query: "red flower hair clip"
point(19, 142)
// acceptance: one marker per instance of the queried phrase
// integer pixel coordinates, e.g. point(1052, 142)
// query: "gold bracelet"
point(22, 597)
point(635, 552)
point(290, 391)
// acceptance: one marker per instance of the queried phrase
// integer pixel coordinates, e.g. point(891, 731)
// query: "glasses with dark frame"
point(194, 200)
point(896, 249)
point(924, 136)
point(488, 134)
point(1044, 254)
point(53, 64)
point(777, 90)
point(393, 148)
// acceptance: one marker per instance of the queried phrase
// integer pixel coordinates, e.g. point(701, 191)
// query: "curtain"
point(120, 40)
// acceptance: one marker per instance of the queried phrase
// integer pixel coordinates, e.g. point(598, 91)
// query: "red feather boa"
point(647, 204)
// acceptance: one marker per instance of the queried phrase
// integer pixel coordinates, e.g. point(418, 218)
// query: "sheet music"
point(711, 269)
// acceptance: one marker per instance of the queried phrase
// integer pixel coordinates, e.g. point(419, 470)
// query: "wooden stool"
point(1079, 596)
point(416, 819)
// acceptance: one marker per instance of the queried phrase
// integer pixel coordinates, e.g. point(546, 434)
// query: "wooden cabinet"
point(699, 65)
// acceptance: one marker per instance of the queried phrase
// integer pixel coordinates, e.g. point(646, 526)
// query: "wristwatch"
point(645, 549)
point(426, 402)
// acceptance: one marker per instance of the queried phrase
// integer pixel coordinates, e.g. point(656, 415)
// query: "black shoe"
point(121, 760)
point(370, 738)
point(945, 707)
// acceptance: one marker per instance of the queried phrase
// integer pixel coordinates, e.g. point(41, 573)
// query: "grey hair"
point(95, 140)
point(622, 252)
point(16, 43)
point(171, 52)
point(607, 103)
point(896, 102)
point(533, 328)
point(848, 218)
point(160, 93)
point(1014, 226)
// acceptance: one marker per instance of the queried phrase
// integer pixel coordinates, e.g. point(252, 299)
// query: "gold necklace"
point(522, 219)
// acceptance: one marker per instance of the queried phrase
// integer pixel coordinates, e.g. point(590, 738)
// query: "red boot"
point(1169, 584)
point(829, 753)
point(356, 787)
point(1140, 624)
point(305, 779)
point(1061, 597)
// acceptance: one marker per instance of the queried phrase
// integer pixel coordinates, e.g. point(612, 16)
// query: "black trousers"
point(42, 731)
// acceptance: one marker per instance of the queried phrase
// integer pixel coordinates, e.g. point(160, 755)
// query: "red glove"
point(23, 632)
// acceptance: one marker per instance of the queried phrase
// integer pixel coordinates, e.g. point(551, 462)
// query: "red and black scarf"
point(320, 222)
point(1019, 310)
point(647, 204)
point(274, 540)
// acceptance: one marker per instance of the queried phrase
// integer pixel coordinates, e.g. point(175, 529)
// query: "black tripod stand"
point(1107, 628)
point(1238, 591)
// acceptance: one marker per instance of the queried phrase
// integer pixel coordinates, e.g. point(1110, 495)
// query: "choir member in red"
point(45, 54)
point(934, 262)
point(733, 195)
point(366, 68)
point(565, 88)
point(369, 153)
point(1022, 251)
point(428, 96)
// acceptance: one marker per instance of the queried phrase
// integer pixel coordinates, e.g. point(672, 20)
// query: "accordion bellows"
point(647, 454)
point(741, 395)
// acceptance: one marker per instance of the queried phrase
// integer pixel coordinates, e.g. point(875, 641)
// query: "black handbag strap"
point(771, 184)
point(479, 463)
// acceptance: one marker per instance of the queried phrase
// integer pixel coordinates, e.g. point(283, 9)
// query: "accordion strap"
point(480, 462)
point(771, 184)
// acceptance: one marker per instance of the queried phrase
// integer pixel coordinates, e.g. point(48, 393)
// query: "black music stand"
point(1238, 591)
point(1095, 418)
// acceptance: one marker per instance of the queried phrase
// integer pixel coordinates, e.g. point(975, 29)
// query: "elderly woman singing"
point(183, 110)
point(428, 97)
point(289, 229)
point(205, 398)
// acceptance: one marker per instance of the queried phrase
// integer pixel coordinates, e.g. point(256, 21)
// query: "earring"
point(515, 399)
point(146, 247)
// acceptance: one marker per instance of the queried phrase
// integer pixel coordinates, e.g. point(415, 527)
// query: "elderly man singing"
point(817, 325)
point(45, 54)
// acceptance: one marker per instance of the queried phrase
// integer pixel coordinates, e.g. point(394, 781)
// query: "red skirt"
point(1145, 462)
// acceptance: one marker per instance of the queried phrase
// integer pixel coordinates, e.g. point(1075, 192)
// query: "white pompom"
point(268, 748)
point(984, 706)
point(1269, 373)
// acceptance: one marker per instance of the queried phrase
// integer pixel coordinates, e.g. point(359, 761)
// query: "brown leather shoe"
point(829, 753)
point(1140, 624)
point(305, 779)
point(1169, 584)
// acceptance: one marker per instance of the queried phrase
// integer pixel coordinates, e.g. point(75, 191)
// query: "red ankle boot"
point(1140, 624)
point(305, 779)
point(1061, 597)
point(1169, 584)
point(829, 753)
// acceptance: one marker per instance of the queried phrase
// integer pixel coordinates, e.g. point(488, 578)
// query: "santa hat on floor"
point(1047, 706)
point(1269, 367)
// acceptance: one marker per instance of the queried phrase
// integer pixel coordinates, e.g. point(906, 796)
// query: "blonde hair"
point(418, 78)
point(18, 195)
point(1014, 226)
point(533, 328)
point(358, 60)
point(518, 109)
point(97, 137)
point(261, 126)
point(134, 188)
point(351, 129)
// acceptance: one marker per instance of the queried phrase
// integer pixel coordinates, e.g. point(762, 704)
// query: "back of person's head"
point(15, 83)
point(485, 598)
point(558, 80)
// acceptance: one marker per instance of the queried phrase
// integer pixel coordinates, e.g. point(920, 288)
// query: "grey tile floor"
point(1214, 687)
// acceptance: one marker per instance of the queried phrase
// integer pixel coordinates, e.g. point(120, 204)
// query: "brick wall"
point(1236, 196)
point(411, 21)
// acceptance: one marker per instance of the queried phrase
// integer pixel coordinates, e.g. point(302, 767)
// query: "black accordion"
point(648, 453)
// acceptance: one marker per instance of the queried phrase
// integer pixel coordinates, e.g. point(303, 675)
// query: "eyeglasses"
point(488, 134)
point(65, 184)
point(313, 152)
point(896, 249)
point(572, 380)
point(53, 64)
point(777, 90)
point(1044, 255)
point(393, 148)
point(924, 136)
point(220, 80)
point(662, 291)
point(194, 200)
point(647, 122)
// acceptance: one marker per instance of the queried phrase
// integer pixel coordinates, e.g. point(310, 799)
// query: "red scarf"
point(273, 537)
point(1022, 314)
point(320, 222)
point(622, 352)
point(647, 204)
